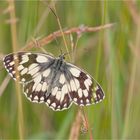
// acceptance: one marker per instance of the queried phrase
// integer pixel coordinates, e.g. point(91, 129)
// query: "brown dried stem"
point(15, 47)
point(86, 124)
point(80, 123)
point(133, 10)
point(78, 30)
point(74, 133)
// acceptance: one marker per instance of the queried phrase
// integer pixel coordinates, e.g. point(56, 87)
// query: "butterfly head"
point(62, 57)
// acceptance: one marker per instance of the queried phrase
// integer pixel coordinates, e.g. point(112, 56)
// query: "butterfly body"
point(53, 81)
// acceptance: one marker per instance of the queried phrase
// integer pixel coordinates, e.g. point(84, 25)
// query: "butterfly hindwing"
point(37, 89)
point(53, 92)
point(59, 98)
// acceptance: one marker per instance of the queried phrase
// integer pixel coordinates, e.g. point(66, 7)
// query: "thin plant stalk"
point(15, 48)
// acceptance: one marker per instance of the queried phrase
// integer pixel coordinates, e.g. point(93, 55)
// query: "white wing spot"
point(58, 107)
point(87, 100)
point(80, 93)
point(11, 75)
point(42, 98)
point(53, 105)
point(86, 84)
point(36, 98)
point(20, 67)
point(88, 81)
point(77, 83)
point(44, 86)
point(15, 57)
point(62, 96)
point(41, 59)
point(48, 101)
point(65, 105)
point(89, 77)
point(64, 89)
point(81, 101)
point(7, 61)
point(25, 59)
point(33, 66)
point(34, 71)
point(85, 93)
point(75, 72)
point(68, 86)
point(46, 72)
point(30, 95)
point(23, 79)
point(37, 79)
point(72, 84)
point(24, 71)
point(11, 63)
point(98, 95)
point(75, 99)
point(13, 72)
point(58, 95)
point(54, 91)
point(94, 95)
point(96, 88)
point(34, 86)
point(38, 87)
point(62, 79)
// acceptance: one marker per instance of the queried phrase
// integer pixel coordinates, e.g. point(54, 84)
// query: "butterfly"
point(50, 80)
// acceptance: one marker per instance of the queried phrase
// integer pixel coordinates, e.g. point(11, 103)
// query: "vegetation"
point(110, 55)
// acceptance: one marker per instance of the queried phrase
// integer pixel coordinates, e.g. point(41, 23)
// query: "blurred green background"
point(111, 56)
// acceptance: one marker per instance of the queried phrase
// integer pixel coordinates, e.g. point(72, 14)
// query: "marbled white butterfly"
point(53, 81)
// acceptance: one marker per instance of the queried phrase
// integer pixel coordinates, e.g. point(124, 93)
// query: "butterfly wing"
point(59, 98)
point(29, 65)
point(36, 90)
point(49, 89)
point(73, 85)
point(84, 90)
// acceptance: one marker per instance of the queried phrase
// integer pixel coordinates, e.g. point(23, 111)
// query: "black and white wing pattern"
point(49, 89)
point(84, 90)
point(53, 81)
point(29, 65)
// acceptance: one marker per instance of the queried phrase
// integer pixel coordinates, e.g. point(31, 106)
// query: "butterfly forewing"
point(84, 89)
point(29, 65)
